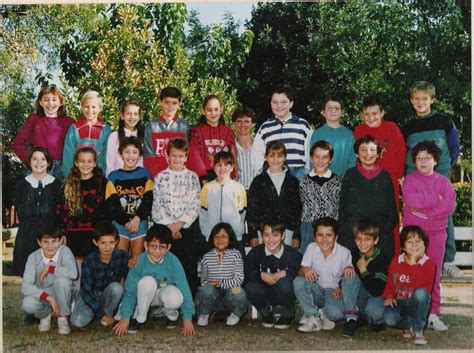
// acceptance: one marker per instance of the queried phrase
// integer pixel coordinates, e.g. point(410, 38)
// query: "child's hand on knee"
point(311, 276)
point(43, 275)
point(54, 305)
point(107, 320)
point(348, 272)
point(390, 301)
point(268, 278)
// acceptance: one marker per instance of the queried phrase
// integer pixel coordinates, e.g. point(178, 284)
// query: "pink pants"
point(435, 251)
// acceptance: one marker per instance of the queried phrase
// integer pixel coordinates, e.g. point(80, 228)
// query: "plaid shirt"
point(97, 275)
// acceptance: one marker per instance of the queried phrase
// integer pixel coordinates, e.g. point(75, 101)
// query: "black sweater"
point(264, 204)
point(257, 261)
point(375, 277)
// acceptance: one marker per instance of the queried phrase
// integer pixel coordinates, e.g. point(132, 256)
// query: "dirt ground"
point(248, 336)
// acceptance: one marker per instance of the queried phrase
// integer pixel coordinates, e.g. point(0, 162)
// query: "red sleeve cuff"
point(51, 269)
point(44, 296)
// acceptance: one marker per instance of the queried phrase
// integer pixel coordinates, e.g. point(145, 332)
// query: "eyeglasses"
point(424, 158)
point(155, 247)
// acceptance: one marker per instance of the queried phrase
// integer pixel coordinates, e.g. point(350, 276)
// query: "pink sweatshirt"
point(423, 206)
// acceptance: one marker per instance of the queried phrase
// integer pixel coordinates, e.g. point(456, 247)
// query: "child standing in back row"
point(429, 200)
point(46, 127)
point(286, 127)
point(129, 125)
point(88, 131)
point(340, 137)
point(212, 136)
point(432, 125)
point(160, 130)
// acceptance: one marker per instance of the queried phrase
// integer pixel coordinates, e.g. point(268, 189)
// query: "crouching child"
point(47, 280)
point(326, 280)
point(269, 272)
point(103, 274)
point(157, 280)
point(371, 268)
point(407, 294)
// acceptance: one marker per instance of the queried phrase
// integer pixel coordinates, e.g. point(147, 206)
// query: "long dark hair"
point(139, 127)
point(228, 229)
point(206, 100)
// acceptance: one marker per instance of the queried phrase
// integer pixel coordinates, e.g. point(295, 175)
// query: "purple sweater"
point(423, 205)
point(40, 131)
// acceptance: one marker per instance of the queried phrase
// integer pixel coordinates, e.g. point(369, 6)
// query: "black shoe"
point(377, 327)
point(349, 329)
point(283, 322)
point(171, 323)
point(134, 326)
point(30, 319)
point(267, 321)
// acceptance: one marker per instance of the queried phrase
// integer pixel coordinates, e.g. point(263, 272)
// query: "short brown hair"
point(424, 86)
point(178, 144)
point(367, 227)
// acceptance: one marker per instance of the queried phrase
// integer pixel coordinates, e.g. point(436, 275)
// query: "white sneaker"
point(203, 320)
point(63, 326)
point(327, 324)
point(452, 270)
point(312, 324)
point(303, 320)
point(435, 323)
point(232, 320)
point(45, 324)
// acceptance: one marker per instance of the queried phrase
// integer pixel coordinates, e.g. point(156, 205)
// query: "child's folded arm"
point(237, 279)
point(29, 286)
point(67, 266)
point(415, 198)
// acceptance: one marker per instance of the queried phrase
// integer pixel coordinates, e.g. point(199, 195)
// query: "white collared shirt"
point(327, 175)
point(278, 254)
point(329, 270)
point(48, 179)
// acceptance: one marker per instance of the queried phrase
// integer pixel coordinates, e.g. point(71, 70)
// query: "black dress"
point(35, 202)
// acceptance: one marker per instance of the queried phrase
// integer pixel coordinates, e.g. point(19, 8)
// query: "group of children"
point(320, 211)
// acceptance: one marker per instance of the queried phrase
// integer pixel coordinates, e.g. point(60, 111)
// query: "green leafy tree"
point(358, 48)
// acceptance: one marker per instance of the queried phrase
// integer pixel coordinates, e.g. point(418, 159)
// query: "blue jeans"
point(61, 291)
point(213, 299)
point(370, 306)
point(279, 298)
point(312, 296)
point(109, 300)
point(307, 235)
point(409, 313)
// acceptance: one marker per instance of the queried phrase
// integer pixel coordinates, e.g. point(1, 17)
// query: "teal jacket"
point(169, 271)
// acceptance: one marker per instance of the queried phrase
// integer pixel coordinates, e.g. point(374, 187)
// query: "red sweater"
point(390, 138)
point(403, 279)
point(209, 140)
point(40, 131)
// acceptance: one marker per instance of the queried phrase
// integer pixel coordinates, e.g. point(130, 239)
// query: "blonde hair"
point(91, 95)
point(423, 86)
point(72, 184)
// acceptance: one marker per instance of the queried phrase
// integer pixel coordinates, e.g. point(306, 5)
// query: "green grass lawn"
point(249, 335)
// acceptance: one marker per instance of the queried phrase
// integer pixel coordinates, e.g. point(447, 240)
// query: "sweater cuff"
point(363, 274)
point(44, 297)
point(51, 269)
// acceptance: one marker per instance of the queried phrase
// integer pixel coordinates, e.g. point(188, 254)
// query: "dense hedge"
point(463, 213)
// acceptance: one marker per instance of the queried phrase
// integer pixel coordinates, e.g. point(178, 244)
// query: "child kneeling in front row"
point(47, 280)
point(158, 279)
point(325, 263)
point(371, 267)
point(409, 282)
point(102, 277)
point(269, 272)
point(222, 274)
